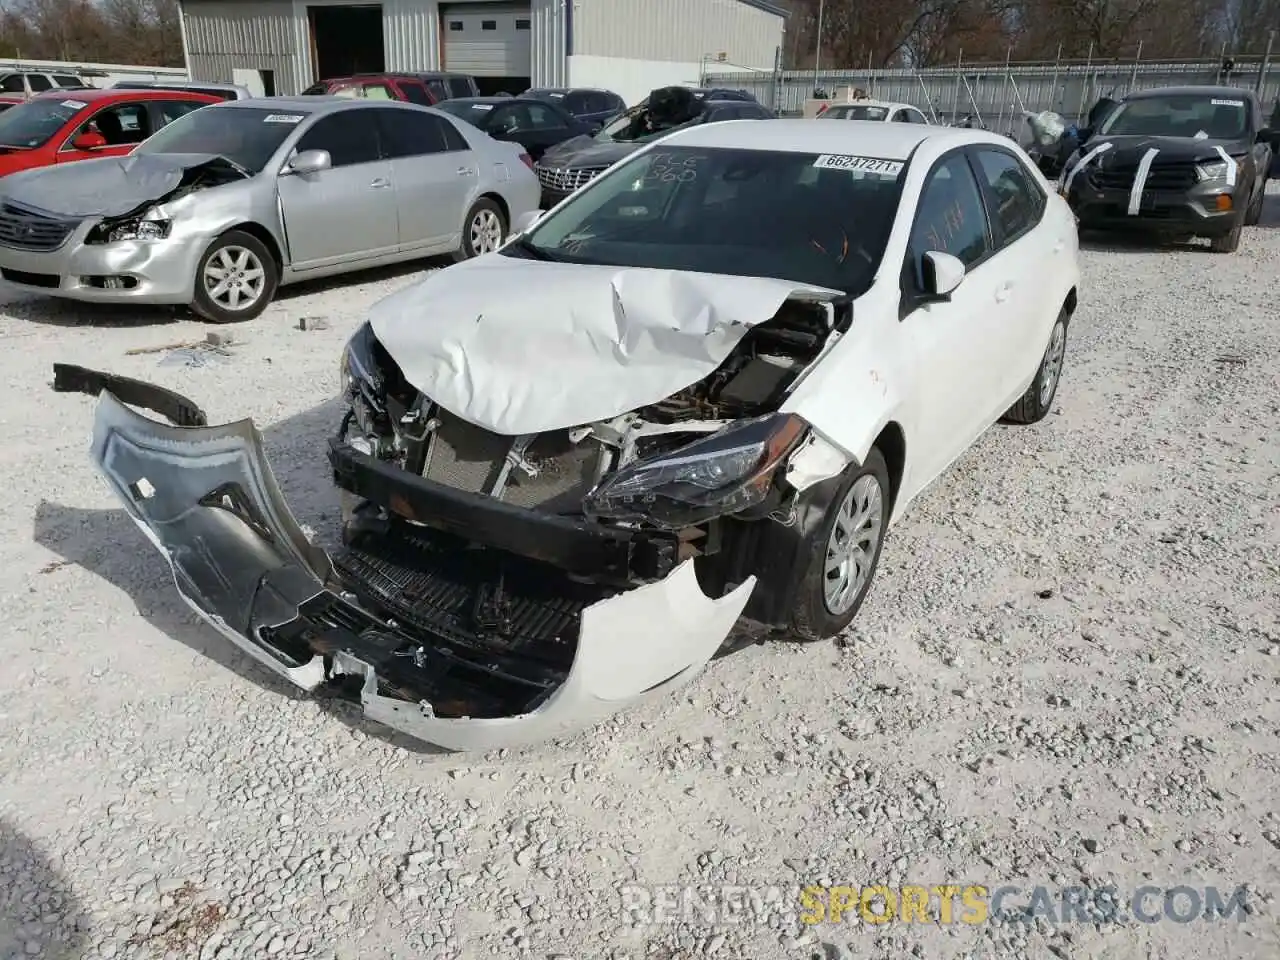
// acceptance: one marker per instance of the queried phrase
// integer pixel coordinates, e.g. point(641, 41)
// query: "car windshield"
point(1193, 115)
point(632, 126)
point(856, 112)
point(34, 123)
point(468, 110)
point(248, 137)
point(797, 216)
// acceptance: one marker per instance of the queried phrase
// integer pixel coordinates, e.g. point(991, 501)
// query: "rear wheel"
point(1034, 405)
point(844, 553)
point(235, 279)
point(483, 231)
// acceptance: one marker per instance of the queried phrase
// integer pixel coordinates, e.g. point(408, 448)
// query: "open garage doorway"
point(346, 39)
point(491, 41)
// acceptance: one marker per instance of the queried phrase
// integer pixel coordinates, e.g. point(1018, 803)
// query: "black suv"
point(1179, 162)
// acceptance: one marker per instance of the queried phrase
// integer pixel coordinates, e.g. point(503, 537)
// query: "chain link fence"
point(994, 95)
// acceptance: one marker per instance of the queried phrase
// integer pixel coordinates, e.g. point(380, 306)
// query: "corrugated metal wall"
point(683, 30)
point(263, 35)
point(274, 35)
point(411, 34)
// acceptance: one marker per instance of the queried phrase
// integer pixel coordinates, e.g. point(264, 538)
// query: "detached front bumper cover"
point(206, 497)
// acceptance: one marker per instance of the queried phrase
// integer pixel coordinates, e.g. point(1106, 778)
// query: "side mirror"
point(940, 274)
point(308, 162)
point(526, 221)
point(89, 141)
point(1083, 135)
point(1265, 135)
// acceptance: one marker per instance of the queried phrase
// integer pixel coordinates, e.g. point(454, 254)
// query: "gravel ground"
point(1066, 675)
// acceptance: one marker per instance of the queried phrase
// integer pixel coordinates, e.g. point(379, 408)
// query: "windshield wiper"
point(534, 252)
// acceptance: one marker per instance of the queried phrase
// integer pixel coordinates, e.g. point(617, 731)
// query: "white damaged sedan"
point(700, 389)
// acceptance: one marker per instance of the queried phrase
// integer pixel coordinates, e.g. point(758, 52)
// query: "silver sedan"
point(228, 202)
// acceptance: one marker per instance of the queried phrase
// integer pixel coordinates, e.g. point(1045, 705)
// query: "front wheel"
point(1228, 242)
point(844, 553)
point(1034, 405)
point(1254, 213)
point(235, 279)
point(483, 231)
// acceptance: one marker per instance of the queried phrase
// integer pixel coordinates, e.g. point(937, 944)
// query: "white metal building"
point(629, 46)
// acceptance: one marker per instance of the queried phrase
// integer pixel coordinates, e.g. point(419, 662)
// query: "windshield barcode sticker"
point(284, 118)
point(1226, 103)
point(74, 104)
point(840, 161)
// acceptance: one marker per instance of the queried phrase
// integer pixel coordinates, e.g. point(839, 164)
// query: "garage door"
point(487, 39)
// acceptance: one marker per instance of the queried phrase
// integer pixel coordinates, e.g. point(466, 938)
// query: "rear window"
point(472, 113)
point(855, 112)
point(34, 123)
point(249, 137)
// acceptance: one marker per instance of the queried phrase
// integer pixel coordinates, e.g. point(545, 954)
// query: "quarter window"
point(350, 137)
point(951, 218)
point(415, 92)
point(1012, 199)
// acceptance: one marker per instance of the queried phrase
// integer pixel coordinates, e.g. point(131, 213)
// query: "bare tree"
point(110, 31)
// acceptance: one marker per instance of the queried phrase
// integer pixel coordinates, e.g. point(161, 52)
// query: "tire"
point(482, 219)
point(1033, 406)
point(1228, 242)
point(235, 250)
point(1254, 213)
point(817, 615)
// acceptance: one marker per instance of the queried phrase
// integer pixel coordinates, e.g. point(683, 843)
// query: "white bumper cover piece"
point(206, 497)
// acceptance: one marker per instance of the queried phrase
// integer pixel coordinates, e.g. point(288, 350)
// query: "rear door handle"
point(379, 182)
point(1003, 293)
point(466, 172)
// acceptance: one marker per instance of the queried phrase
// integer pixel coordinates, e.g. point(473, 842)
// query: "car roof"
point(495, 101)
point(1235, 93)
point(310, 105)
point(173, 85)
point(94, 94)
point(890, 141)
point(886, 104)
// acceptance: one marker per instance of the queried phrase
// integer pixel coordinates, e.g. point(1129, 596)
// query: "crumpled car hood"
point(525, 346)
point(105, 187)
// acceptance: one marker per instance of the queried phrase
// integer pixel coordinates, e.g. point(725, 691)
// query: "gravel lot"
point(1066, 675)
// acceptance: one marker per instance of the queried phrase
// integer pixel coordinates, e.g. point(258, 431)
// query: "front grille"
point(28, 230)
point(1167, 176)
point(566, 179)
point(466, 457)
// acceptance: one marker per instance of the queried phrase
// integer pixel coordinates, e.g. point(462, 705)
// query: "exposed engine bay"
point(554, 471)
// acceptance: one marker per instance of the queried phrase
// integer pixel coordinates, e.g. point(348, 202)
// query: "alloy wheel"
point(852, 545)
point(234, 278)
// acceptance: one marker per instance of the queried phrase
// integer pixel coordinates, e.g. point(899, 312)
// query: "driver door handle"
point(1003, 293)
point(379, 182)
point(465, 172)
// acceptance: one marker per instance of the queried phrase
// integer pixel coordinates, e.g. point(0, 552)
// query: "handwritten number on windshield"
point(668, 168)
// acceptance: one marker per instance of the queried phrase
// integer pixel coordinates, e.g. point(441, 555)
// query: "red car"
point(376, 86)
point(61, 126)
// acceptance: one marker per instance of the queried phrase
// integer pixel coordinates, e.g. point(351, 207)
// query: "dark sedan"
point(534, 124)
point(566, 167)
point(592, 106)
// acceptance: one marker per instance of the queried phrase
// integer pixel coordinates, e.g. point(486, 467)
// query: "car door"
point(123, 126)
point(1015, 209)
point(957, 394)
point(433, 181)
point(347, 212)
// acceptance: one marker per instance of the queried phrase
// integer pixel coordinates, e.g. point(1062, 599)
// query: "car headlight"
point(359, 367)
point(146, 227)
point(725, 472)
point(1213, 170)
